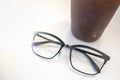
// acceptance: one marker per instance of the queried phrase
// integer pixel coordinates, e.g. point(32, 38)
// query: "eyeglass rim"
point(105, 57)
point(62, 44)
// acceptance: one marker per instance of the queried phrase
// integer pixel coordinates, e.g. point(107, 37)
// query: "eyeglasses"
point(83, 59)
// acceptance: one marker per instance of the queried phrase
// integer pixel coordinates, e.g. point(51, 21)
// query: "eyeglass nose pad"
point(59, 52)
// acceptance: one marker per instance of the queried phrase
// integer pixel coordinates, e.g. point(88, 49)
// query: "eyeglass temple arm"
point(87, 52)
point(95, 66)
point(44, 42)
point(103, 56)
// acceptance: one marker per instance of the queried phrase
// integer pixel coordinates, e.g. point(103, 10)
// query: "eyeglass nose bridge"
point(67, 46)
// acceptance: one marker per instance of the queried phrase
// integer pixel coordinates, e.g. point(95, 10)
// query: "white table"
point(20, 18)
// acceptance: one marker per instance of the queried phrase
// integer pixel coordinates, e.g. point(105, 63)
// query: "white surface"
point(20, 18)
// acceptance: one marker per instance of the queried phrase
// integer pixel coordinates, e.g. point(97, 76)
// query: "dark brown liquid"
point(90, 17)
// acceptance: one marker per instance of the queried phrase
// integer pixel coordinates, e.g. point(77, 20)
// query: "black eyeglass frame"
point(104, 56)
